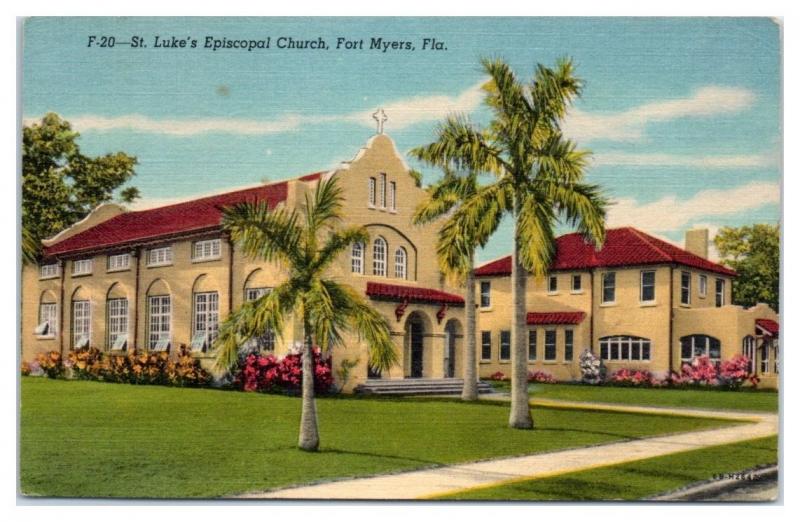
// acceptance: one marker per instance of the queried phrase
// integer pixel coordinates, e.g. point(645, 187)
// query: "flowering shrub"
point(267, 373)
point(50, 364)
point(735, 372)
point(701, 371)
point(498, 376)
point(540, 376)
point(592, 369)
point(628, 377)
point(85, 364)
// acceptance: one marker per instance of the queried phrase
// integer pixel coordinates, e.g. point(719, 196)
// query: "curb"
point(700, 491)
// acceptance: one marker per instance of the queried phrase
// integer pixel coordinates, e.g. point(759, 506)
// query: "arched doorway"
point(452, 341)
point(416, 329)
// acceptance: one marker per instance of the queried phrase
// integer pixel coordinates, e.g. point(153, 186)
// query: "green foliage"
point(755, 253)
point(60, 185)
point(156, 441)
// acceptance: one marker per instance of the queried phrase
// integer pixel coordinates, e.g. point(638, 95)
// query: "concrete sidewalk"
point(452, 479)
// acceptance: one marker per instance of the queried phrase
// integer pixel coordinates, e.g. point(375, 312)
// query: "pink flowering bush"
point(498, 376)
point(735, 372)
point(701, 371)
point(267, 373)
point(629, 377)
point(542, 377)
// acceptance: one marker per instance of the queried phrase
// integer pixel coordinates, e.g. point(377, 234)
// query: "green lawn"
point(638, 479)
point(744, 400)
point(99, 439)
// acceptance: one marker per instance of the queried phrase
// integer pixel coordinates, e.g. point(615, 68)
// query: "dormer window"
point(49, 271)
point(119, 262)
point(206, 250)
point(159, 256)
point(82, 267)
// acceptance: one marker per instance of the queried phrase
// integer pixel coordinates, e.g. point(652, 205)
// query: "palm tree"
point(458, 262)
point(306, 241)
point(538, 182)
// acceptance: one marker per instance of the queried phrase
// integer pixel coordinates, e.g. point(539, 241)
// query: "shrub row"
point(267, 373)
point(134, 367)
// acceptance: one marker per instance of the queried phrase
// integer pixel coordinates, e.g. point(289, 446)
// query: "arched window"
point(400, 262)
point(697, 345)
point(379, 257)
point(625, 348)
point(749, 351)
point(357, 259)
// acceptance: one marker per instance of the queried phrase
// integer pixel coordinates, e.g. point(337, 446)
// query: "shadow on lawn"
point(409, 460)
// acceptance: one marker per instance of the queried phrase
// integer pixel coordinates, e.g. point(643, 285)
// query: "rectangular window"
point(82, 267)
point(357, 258)
point(486, 345)
point(686, 288)
point(48, 320)
point(505, 345)
point(206, 320)
point(720, 292)
point(531, 345)
point(159, 256)
point(702, 285)
point(609, 287)
point(158, 322)
point(549, 345)
point(371, 199)
point(576, 282)
point(647, 290)
point(266, 340)
point(552, 284)
point(117, 323)
point(48, 271)
point(569, 343)
point(486, 294)
point(208, 249)
point(393, 196)
point(382, 191)
point(81, 324)
point(119, 262)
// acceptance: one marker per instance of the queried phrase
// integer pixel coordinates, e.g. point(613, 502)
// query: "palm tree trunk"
point(520, 416)
point(470, 391)
point(309, 432)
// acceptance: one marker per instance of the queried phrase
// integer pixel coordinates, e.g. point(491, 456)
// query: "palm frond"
point(367, 322)
point(536, 221)
point(338, 242)
point(583, 207)
point(260, 232)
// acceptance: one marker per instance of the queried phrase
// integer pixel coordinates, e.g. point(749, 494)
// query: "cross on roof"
point(380, 117)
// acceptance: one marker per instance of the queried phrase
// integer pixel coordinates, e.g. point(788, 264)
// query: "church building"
point(164, 277)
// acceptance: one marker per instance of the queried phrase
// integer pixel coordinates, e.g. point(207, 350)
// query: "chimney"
point(696, 242)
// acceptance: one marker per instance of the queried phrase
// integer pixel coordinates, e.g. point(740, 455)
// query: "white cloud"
point(734, 161)
point(670, 213)
point(419, 109)
point(629, 125)
point(402, 113)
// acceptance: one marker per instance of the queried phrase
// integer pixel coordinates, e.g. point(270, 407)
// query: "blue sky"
point(682, 115)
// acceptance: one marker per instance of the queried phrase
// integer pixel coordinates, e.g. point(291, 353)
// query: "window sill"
point(45, 337)
point(702, 296)
point(550, 362)
point(393, 211)
point(608, 305)
point(504, 360)
point(206, 259)
point(85, 274)
point(112, 270)
point(485, 361)
point(486, 309)
point(46, 278)
point(645, 304)
point(553, 293)
point(684, 305)
point(159, 265)
point(577, 292)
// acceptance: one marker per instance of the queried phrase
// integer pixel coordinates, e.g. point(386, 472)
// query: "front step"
point(417, 387)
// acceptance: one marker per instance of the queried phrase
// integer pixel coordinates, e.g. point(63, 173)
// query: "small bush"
point(592, 369)
point(50, 363)
point(541, 377)
point(267, 373)
point(498, 376)
point(628, 377)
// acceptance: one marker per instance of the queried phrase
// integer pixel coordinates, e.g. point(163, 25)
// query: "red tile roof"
point(198, 215)
point(623, 247)
point(769, 325)
point(555, 317)
point(412, 293)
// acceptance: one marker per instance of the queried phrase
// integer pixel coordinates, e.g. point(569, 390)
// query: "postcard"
point(520, 259)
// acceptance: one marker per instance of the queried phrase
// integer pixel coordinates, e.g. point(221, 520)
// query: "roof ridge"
point(647, 239)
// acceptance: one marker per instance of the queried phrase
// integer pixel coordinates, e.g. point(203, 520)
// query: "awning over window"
point(555, 317)
point(767, 327)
